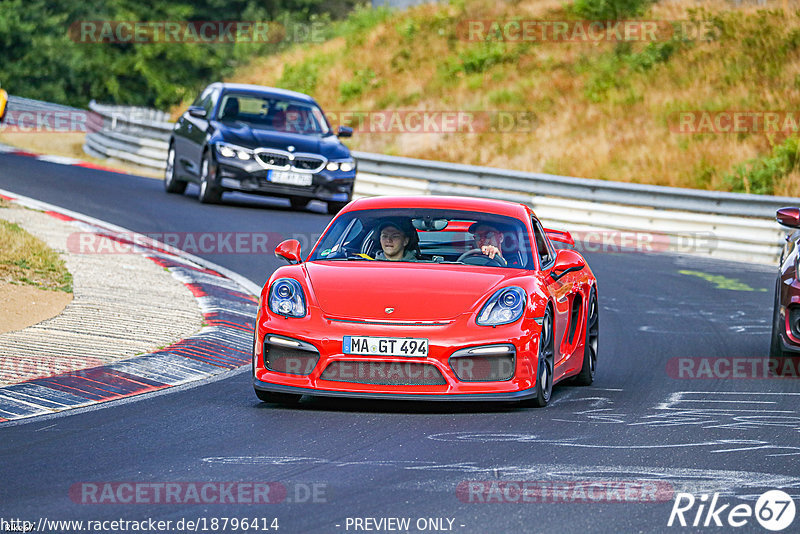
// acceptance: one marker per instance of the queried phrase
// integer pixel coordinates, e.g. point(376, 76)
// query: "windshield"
point(271, 113)
point(427, 236)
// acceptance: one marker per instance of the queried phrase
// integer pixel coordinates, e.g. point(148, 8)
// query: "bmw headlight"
point(505, 306)
point(286, 298)
point(226, 150)
point(346, 165)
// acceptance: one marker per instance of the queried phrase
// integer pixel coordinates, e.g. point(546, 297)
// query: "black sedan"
point(260, 140)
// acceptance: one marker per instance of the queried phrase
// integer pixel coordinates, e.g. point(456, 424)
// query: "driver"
point(394, 237)
point(488, 239)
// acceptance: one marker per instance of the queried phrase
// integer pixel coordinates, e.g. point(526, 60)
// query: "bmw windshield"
point(273, 113)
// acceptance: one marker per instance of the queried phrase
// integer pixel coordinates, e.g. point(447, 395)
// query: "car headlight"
point(229, 151)
point(346, 165)
point(505, 306)
point(286, 298)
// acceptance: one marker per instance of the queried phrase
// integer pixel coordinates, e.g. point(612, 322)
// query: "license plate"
point(289, 177)
point(385, 346)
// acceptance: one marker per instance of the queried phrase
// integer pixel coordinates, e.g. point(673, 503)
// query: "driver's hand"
point(491, 251)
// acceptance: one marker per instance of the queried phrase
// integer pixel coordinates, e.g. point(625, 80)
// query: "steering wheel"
point(497, 261)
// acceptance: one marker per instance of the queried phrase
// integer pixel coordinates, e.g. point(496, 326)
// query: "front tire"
point(586, 376)
point(546, 360)
point(171, 183)
point(209, 193)
point(776, 345)
point(335, 207)
point(298, 203)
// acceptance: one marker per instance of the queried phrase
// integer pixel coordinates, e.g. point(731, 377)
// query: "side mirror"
point(789, 217)
point(289, 250)
point(198, 111)
point(344, 131)
point(567, 261)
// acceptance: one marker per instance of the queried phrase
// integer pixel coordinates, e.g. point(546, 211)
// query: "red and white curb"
point(61, 160)
point(227, 300)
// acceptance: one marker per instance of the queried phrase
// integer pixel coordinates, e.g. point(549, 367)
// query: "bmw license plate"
point(385, 346)
point(289, 177)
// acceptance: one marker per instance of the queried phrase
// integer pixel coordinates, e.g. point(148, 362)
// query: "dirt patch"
point(22, 306)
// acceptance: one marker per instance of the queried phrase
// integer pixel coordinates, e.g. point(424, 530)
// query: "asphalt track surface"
point(738, 437)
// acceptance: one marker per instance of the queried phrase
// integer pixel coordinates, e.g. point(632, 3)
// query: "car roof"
point(485, 205)
point(264, 90)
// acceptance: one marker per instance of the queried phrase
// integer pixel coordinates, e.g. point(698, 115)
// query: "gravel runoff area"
point(124, 304)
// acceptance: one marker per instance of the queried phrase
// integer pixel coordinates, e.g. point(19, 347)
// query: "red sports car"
point(786, 308)
point(427, 298)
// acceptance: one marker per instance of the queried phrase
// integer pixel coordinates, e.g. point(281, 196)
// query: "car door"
point(198, 133)
point(181, 135)
point(559, 290)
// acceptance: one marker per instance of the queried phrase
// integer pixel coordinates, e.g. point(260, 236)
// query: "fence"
point(737, 226)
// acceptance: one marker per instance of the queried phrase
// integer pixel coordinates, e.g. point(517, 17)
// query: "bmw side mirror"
point(567, 261)
point(198, 111)
point(789, 217)
point(289, 250)
point(344, 131)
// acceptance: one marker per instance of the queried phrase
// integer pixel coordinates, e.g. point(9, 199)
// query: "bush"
point(761, 175)
point(354, 87)
point(609, 9)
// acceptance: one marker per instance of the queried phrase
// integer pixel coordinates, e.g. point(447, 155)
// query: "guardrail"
point(714, 224)
point(133, 134)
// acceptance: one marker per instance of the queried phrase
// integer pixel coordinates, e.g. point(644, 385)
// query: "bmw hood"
point(414, 292)
point(246, 136)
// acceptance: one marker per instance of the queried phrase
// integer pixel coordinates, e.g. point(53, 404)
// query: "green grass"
point(761, 175)
point(25, 259)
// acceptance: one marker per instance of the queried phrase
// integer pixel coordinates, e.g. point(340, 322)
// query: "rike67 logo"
point(774, 510)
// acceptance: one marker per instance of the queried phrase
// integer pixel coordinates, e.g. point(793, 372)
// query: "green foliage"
point(303, 77)
point(609, 9)
point(761, 175)
point(752, 46)
point(506, 97)
point(612, 71)
point(357, 26)
point(45, 57)
point(355, 86)
point(480, 58)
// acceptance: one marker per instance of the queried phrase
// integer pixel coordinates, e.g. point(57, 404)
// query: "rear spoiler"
point(559, 235)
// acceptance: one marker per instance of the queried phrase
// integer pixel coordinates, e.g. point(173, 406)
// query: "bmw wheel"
point(209, 193)
point(335, 207)
point(171, 183)
point(299, 203)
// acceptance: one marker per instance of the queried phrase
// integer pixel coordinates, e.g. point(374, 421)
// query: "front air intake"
point(384, 373)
